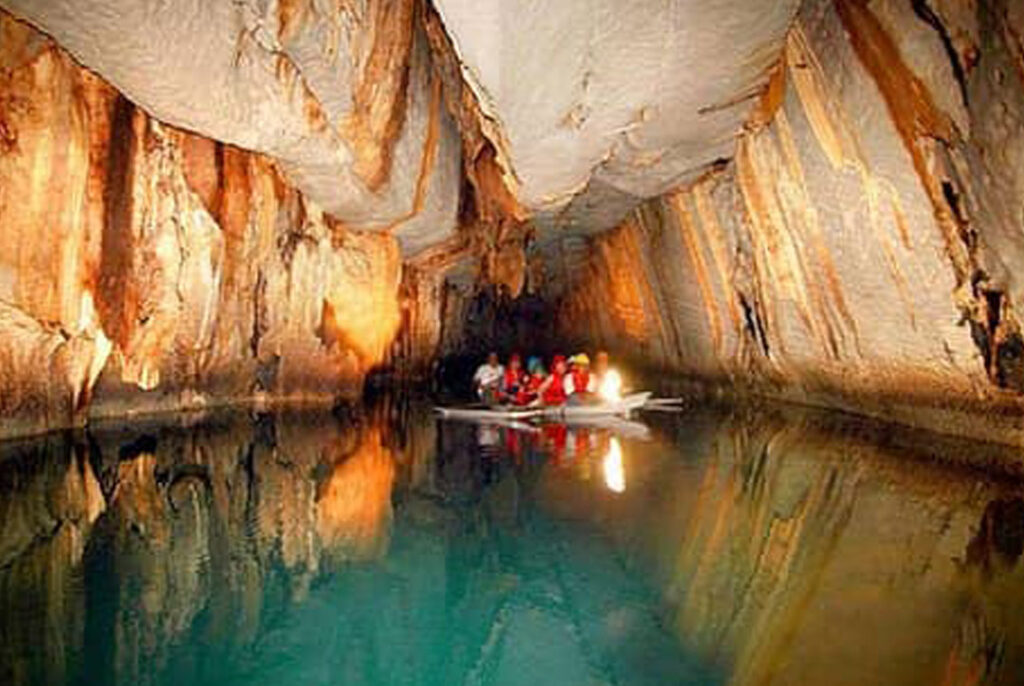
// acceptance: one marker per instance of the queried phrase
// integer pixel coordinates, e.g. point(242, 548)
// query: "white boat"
point(563, 412)
point(489, 412)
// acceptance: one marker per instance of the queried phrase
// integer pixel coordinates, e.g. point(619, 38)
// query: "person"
point(532, 380)
point(577, 382)
point(487, 379)
point(552, 391)
point(512, 379)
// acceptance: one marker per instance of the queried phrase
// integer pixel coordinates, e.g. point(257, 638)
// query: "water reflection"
point(385, 548)
point(51, 500)
point(614, 473)
point(353, 505)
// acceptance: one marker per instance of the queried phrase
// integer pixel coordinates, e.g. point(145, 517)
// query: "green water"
point(384, 547)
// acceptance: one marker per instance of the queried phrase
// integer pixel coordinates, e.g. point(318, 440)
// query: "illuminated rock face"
point(144, 268)
point(598, 105)
point(595, 104)
point(821, 200)
point(341, 94)
point(858, 250)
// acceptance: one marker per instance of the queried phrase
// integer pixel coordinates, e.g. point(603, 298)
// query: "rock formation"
point(160, 269)
point(263, 201)
point(858, 249)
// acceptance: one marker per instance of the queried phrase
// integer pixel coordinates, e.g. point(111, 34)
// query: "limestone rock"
point(820, 200)
point(341, 94)
point(600, 105)
point(145, 268)
point(856, 250)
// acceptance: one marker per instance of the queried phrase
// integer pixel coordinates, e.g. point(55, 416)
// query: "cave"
point(254, 255)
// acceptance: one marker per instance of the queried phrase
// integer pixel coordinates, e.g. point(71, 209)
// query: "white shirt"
point(488, 375)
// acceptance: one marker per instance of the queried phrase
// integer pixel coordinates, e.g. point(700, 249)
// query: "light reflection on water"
point(388, 548)
point(614, 474)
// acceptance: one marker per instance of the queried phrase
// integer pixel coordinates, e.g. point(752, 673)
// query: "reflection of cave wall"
point(199, 523)
point(781, 545)
point(49, 500)
point(787, 545)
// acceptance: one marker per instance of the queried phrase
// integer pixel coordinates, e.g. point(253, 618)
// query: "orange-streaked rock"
point(856, 250)
point(170, 270)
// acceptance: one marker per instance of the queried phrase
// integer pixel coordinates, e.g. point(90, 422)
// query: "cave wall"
point(862, 247)
point(859, 249)
point(143, 267)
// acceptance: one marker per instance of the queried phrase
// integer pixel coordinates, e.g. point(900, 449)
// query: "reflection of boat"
point(618, 425)
point(563, 412)
point(618, 407)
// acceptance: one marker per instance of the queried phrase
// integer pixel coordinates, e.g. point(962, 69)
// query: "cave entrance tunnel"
point(494, 320)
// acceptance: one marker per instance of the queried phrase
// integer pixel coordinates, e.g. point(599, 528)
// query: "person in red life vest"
point(553, 389)
point(512, 379)
point(530, 390)
point(577, 383)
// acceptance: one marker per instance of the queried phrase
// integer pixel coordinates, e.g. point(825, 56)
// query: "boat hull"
point(563, 412)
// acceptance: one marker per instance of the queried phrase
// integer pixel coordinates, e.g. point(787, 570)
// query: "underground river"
point(383, 546)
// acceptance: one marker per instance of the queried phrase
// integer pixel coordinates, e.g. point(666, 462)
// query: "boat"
point(560, 413)
point(481, 412)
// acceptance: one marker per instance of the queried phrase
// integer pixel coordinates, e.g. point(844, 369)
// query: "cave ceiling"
point(591, 105)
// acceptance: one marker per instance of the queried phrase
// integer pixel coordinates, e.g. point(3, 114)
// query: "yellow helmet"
point(581, 360)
